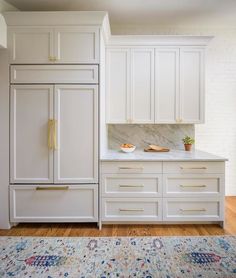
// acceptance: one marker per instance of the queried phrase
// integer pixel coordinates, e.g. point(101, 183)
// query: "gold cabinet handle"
point(52, 188)
point(52, 58)
point(134, 209)
point(192, 210)
point(52, 139)
point(193, 168)
point(130, 168)
point(130, 186)
point(197, 186)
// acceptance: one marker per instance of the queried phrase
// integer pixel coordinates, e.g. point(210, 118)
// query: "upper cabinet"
point(76, 44)
point(142, 85)
point(155, 85)
point(166, 85)
point(118, 85)
point(192, 85)
point(130, 85)
point(43, 45)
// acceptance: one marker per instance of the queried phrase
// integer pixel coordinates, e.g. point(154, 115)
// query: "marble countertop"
point(172, 155)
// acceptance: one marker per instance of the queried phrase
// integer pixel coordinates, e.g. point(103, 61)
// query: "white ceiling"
point(145, 12)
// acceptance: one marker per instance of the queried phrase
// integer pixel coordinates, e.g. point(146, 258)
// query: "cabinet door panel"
point(166, 85)
point(77, 44)
point(76, 112)
point(142, 86)
point(30, 45)
point(191, 85)
point(31, 159)
point(118, 85)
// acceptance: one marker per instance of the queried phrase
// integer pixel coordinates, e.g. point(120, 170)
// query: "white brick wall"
point(218, 134)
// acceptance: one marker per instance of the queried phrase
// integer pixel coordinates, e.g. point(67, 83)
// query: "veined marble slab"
point(173, 155)
point(142, 135)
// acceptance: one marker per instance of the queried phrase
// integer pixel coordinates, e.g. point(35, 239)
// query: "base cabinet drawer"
point(192, 209)
point(196, 167)
point(131, 209)
point(131, 185)
point(131, 167)
point(54, 203)
point(190, 185)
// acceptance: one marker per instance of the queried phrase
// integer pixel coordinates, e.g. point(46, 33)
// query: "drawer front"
point(131, 209)
point(192, 209)
point(193, 167)
point(54, 74)
point(131, 185)
point(192, 185)
point(131, 167)
point(57, 203)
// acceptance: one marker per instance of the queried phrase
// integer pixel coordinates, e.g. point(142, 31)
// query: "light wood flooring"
point(90, 230)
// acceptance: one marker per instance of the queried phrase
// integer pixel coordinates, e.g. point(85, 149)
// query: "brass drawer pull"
point(192, 210)
point(193, 168)
point(52, 188)
point(130, 186)
point(130, 168)
point(193, 186)
point(134, 209)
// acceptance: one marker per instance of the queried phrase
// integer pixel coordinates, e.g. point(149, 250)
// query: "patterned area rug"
point(139, 257)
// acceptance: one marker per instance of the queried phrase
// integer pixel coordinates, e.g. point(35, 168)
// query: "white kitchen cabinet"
point(52, 74)
point(54, 203)
point(118, 85)
point(131, 209)
point(28, 45)
point(165, 88)
point(162, 191)
point(166, 85)
point(76, 44)
point(76, 113)
point(191, 85)
point(130, 85)
point(73, 155)
point(43, 45)
point(31, 159)
point(142, 85)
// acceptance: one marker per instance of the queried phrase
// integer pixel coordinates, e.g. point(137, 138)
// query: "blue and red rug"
point(139, 257)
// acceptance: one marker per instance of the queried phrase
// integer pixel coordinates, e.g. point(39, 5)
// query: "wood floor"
point(128, 230)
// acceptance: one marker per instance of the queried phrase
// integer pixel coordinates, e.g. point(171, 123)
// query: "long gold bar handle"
point(50, 130)
point(193, 168)
point(192, 210)
point(196, 186)
point(54, 134)
point(134, 209)
point(52, 188)
point(130, 168)
point(130, 186)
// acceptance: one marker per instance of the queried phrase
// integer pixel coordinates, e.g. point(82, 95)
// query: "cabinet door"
point(31, 159)
point(166, 85)
point(118, 85)
point(192, 85)
point(30, 45)
point(142, 85)
point(77, 44)
point(76, 113)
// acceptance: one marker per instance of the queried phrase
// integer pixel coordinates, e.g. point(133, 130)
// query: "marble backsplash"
point(141, 135)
